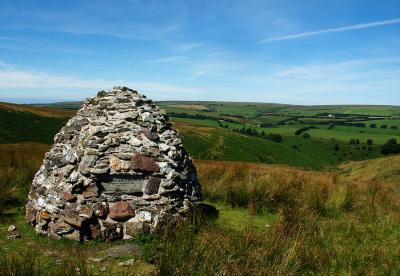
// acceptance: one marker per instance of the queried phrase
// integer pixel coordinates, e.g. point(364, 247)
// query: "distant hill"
point(218, 130)
point(24, 123)
point(218, 144)
point(44, 111)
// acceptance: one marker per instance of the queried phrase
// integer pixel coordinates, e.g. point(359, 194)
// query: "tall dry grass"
point(261, 187)
point(18, 164)
point(326, 225)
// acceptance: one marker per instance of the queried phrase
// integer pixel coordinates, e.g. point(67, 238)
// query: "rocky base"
point(117, 169)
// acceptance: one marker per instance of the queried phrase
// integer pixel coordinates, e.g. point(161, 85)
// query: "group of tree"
point(253, 132)
point(303, 129)
point(382, 126)
point(354, 141)
point(391, 147)
point(232, 115)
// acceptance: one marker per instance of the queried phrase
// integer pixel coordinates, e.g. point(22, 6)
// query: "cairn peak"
point(116, 169)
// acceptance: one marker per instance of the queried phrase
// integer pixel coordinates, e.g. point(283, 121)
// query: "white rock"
point(143, 216)
point(41, 202)
point(11, 228)
point(135, 142)
point(127, 263)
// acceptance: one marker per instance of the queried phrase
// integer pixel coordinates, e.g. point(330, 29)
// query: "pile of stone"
point(117, 169)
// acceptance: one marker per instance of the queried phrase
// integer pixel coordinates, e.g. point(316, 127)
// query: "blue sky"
point(298, 52)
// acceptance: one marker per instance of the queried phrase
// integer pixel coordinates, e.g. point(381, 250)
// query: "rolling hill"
point(218, 130)
point(22, 123)
point(385, 169)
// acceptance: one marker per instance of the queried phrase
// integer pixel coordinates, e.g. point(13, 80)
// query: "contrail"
point(334, 30)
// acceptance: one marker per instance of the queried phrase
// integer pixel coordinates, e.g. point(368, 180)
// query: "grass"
point(204, 142)
point(204, 139)
point(40, 255)
point(17, 126)
point(380, 169)
point(215, 143)
point(39, 111)
point(258, 187)
point(273, 219)
point(18, 165)
point(237, 218)
point(324, 225)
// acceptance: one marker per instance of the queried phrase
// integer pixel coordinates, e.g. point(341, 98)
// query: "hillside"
point(273, 220)
point(219, 144)
point(382, 169)
point(21, 125)
point(204, 139)
point(232, 131)
point(43, 111)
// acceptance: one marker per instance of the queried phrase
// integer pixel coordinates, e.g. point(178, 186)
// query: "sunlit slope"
point(381, 169)
point(219, 144)
point(39, 110)
point(20, 123)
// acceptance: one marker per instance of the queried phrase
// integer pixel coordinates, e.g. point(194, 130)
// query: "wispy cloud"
point(334, 30)
point(186, 47)
point(11, 77)
point(169, 59)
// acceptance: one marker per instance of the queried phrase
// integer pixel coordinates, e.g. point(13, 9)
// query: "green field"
point(210, 130)
point(19, 126)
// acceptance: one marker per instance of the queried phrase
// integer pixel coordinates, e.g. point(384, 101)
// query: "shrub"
point(301, 130)
point(306, 135)
point(101, 93)
point(274, 137)
point(336, 147)
point(391, 147)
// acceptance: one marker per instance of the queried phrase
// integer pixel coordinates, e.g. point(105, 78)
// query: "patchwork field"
point(329, 135)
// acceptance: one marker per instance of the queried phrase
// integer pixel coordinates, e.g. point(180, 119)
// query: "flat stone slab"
point(122, 250)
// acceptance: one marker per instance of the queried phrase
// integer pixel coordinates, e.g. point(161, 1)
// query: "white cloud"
point(169, 59)
point(17, 78)
point(335, 30)
point(372, 81)
point(186, 47)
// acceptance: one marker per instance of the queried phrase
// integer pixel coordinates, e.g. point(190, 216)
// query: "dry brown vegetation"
point(381, 169)
point(326, 223)
point(18, 164)
point(40, 111)
point(259, 187)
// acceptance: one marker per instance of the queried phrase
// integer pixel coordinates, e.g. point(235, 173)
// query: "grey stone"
point(113, 170)
point(60, 228)
point(152, 185)
point(129, 262)
point(127, 249)
point(95, 259)
point(75, 236)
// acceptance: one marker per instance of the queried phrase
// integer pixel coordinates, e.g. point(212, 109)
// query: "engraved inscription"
point(122, 184)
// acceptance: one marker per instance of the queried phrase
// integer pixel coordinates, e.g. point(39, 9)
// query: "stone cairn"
point(117, 169)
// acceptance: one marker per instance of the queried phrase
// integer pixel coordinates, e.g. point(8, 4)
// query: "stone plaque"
point(126, 184)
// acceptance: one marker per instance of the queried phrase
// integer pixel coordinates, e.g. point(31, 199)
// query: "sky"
point(281, 51)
